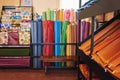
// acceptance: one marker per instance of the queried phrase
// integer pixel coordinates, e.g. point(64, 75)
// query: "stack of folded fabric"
point(15, 33)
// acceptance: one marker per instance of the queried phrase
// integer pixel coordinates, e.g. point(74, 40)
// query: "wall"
point(9, 3)
point(41, 5)
point(38, 5)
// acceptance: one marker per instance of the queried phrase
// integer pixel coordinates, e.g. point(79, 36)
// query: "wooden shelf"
point(58, 59)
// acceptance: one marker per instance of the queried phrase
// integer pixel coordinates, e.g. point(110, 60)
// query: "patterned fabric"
point(24, 37)
point(25, 26)
point(3, 38)
point(13, 38)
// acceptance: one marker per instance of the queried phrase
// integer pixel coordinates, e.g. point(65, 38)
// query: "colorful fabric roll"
point(66, 15)
point(61, 16)
point(48, 14)
point(48, 37)
point(57, 30)
point(57, 14)
point(43, 16)
point(13, 38)
point(52, 15)
point(3, 37)
point(15, 61)
point(70, 38)
point(24, 37)
point(39, 38)
point(63, 38)
point(72, 17)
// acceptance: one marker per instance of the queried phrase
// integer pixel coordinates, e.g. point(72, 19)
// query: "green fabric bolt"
point(63, 39)
point(48, 14)
point(14, 52)
point(52, 15)
point(43, 16)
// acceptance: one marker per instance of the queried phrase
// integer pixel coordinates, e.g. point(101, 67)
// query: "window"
point(68, 4)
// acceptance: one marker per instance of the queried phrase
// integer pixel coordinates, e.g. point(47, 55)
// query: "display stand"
point(101, 7)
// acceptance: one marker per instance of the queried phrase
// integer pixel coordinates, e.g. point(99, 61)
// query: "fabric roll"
point(34, 37)
point(86, 33)
point(52, 15)
point(63, 38)
point(70, 38)
point(3, 37)
point(48, 37)
point(57, 14)
point(48, 14)
point(24, 37)
point(39, 40)
point(34, 40)
point(57, 30)
point(66, 15)
point(15, 61)
point(82, 30)
point(13, 38)
point(61, 16)
point(43, 16)
point(72, 17)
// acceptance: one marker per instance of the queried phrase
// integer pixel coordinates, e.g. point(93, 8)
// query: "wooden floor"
point(38, 75)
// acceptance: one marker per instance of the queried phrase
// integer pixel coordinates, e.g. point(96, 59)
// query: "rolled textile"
point(57, 34)
point(61, 16)
point(70, 38)
point(72, 17)
point(3, 37)
point(15, 61)
point(57, 14)
point(43, 16)
point(63, 38)
point(52, 15)
point(48, 15)
point(39, 40)
point(67, 15)
point(13, 38)
point(48, 37)
point(34, 40)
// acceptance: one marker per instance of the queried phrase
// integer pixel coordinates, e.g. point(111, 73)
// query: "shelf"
point(102, 6)
point(58, 59)
point(12, 46)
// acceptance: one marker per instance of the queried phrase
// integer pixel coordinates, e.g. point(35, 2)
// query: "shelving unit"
point(101, 7)
point(19, 50)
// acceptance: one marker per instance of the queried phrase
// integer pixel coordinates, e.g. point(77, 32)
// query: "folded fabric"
point(15, 61)
point(24, 37)
point(43, 16)
point(3, 37)
point(13, 38)
point(52, 15)
point(25, 26)
point(14, 52)
point(67, 15)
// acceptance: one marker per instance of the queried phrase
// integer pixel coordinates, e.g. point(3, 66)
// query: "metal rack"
point(101, 7)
